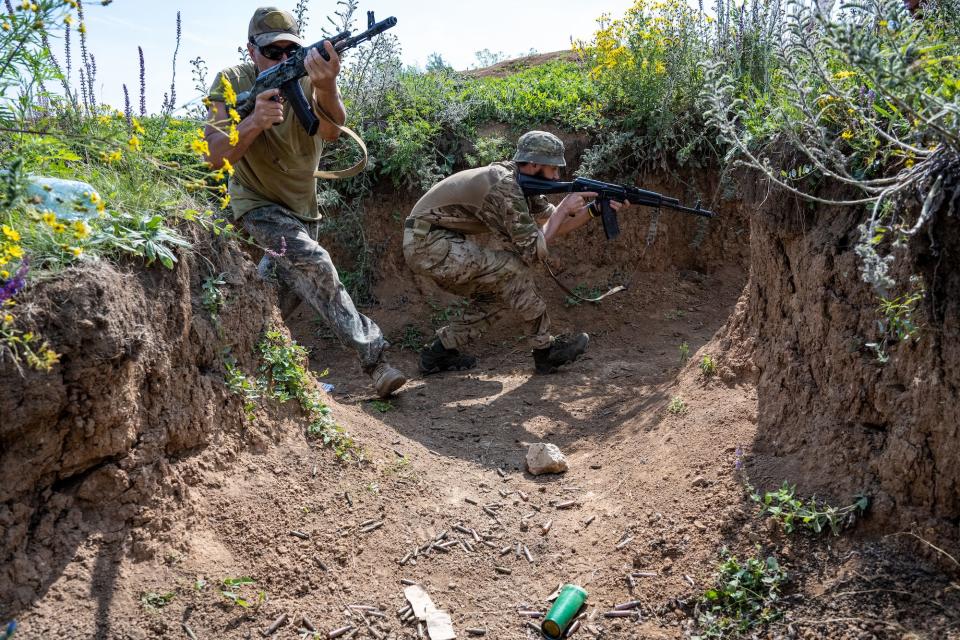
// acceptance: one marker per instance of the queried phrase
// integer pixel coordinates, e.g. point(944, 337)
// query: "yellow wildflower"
point(847, 134)
point(234, 135)
point(11, 233)
point(68, 20)
point(909, 163)
point(206, 102)
point(234, 116)
point(134, 143)
point(200, 147)
point(80, 229)
point(7, 318)
point(660, 68)
point(229, 95)
point(58, 227)
point(4, 274)
point(49, 218)
point(76, 251)
point(224, 202)
point(883, 24)
point(25, 5)
point(15, 250)
point(116, 156)
point(137, 127)
point(228, 167)
point(82, 28)
point(101, 207)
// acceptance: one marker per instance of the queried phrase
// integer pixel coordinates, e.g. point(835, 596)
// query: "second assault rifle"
point(286, 75)
point(607, 191)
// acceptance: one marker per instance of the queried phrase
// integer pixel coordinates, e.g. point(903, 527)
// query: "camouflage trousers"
point(304, 268)
point(493, 281)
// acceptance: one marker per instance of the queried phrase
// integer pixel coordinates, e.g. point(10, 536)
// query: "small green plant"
point(232, 591)
point(684, 352)
point(746, 595)
point(153, 600)
point(812, 515)
point(284, 376)
point(442, 315)
point(707, 366)
point(213, 298)
point(584, 291)
point(898, 315)
point(411, 339)
point(674, 314)
point(677, 406)
point(382, 406)
point(238, 382)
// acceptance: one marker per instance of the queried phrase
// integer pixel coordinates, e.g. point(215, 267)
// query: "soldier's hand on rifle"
point(322, 72)
point(267, 111)
point(572, 212)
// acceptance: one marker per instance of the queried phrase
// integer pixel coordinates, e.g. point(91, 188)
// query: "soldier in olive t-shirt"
point(273, 191)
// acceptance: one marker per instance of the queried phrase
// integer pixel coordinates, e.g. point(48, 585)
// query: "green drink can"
point(565, 608)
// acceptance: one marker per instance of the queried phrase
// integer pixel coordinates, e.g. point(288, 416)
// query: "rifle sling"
point(351, 171)
point(570, 293)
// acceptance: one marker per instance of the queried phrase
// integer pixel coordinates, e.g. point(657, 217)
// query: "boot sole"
point(387, 387)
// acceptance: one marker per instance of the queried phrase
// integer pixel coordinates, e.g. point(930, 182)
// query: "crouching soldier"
point(442, 240)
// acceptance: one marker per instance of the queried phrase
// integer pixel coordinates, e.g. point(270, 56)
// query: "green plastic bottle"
point(565, 608)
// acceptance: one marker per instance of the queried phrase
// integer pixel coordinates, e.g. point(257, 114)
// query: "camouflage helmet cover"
point(540, 147)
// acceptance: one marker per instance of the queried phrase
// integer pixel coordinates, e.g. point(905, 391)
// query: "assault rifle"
point(607, 191)
point(286, 75)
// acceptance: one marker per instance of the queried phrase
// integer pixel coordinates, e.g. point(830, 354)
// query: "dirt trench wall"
point(87, 449)
point(832, 418)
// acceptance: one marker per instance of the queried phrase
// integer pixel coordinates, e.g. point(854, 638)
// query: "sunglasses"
point(275, 52)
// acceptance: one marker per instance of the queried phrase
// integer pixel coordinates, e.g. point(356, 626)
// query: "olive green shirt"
point(278, 166)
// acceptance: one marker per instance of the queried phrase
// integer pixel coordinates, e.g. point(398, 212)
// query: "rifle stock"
point(607, 192)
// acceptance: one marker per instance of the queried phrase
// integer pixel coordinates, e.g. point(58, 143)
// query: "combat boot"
point(564, 350)
point(437, 358)
point(386, 379)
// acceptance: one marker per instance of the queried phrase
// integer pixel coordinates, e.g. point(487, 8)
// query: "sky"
point(214, 30)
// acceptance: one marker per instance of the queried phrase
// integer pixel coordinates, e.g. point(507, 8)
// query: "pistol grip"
point(293, 93)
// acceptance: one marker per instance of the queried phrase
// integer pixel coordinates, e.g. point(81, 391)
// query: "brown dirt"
point(130, 470)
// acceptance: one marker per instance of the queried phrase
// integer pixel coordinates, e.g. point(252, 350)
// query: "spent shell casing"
point(618, 614)
point(503, 474)
point(269, 631)
point(367, 523)
point(372, 527)
point(623, 543)
point(507, 549)
point(530, 613)
point(300, 534)
point(476, 536)
point(307, 623)
point(631, 583)
point(404, 609)
point(644, 574)
point(346, 496)
point(336, 633)
point(533, 625)
point(527, 554)
point(406, 558)
point(573, 629)
point(440, 536)
point(487, 543)
point(587, 522)
point(545, 527)
point(518, 550)
point(187, 630)
point(524, 496)
point(626, 606)
point(504, 570)
point(462, 529)
point(566, 504)
point(470, 501)
point(406, 582)
point(475, 631)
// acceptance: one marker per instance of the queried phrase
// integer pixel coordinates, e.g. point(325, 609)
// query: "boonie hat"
point(540, 147)
point(270, 24)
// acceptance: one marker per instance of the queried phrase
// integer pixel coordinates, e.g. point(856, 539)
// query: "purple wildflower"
point(738, 459)
point(15, 284)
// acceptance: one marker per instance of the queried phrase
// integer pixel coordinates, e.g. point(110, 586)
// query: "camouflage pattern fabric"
point(540, 147)
point(305, 267)
point(494, 281)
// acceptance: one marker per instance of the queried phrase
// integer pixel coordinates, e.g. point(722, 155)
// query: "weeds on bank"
point(232, 591)
point(707, 366)
point(677, 406)
point(153, 600)
point(411, 338)
point(684, 352)
point(283, 375)
point(795, 513)
point(212, 297)
point(745, 595)
point(381, 406)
